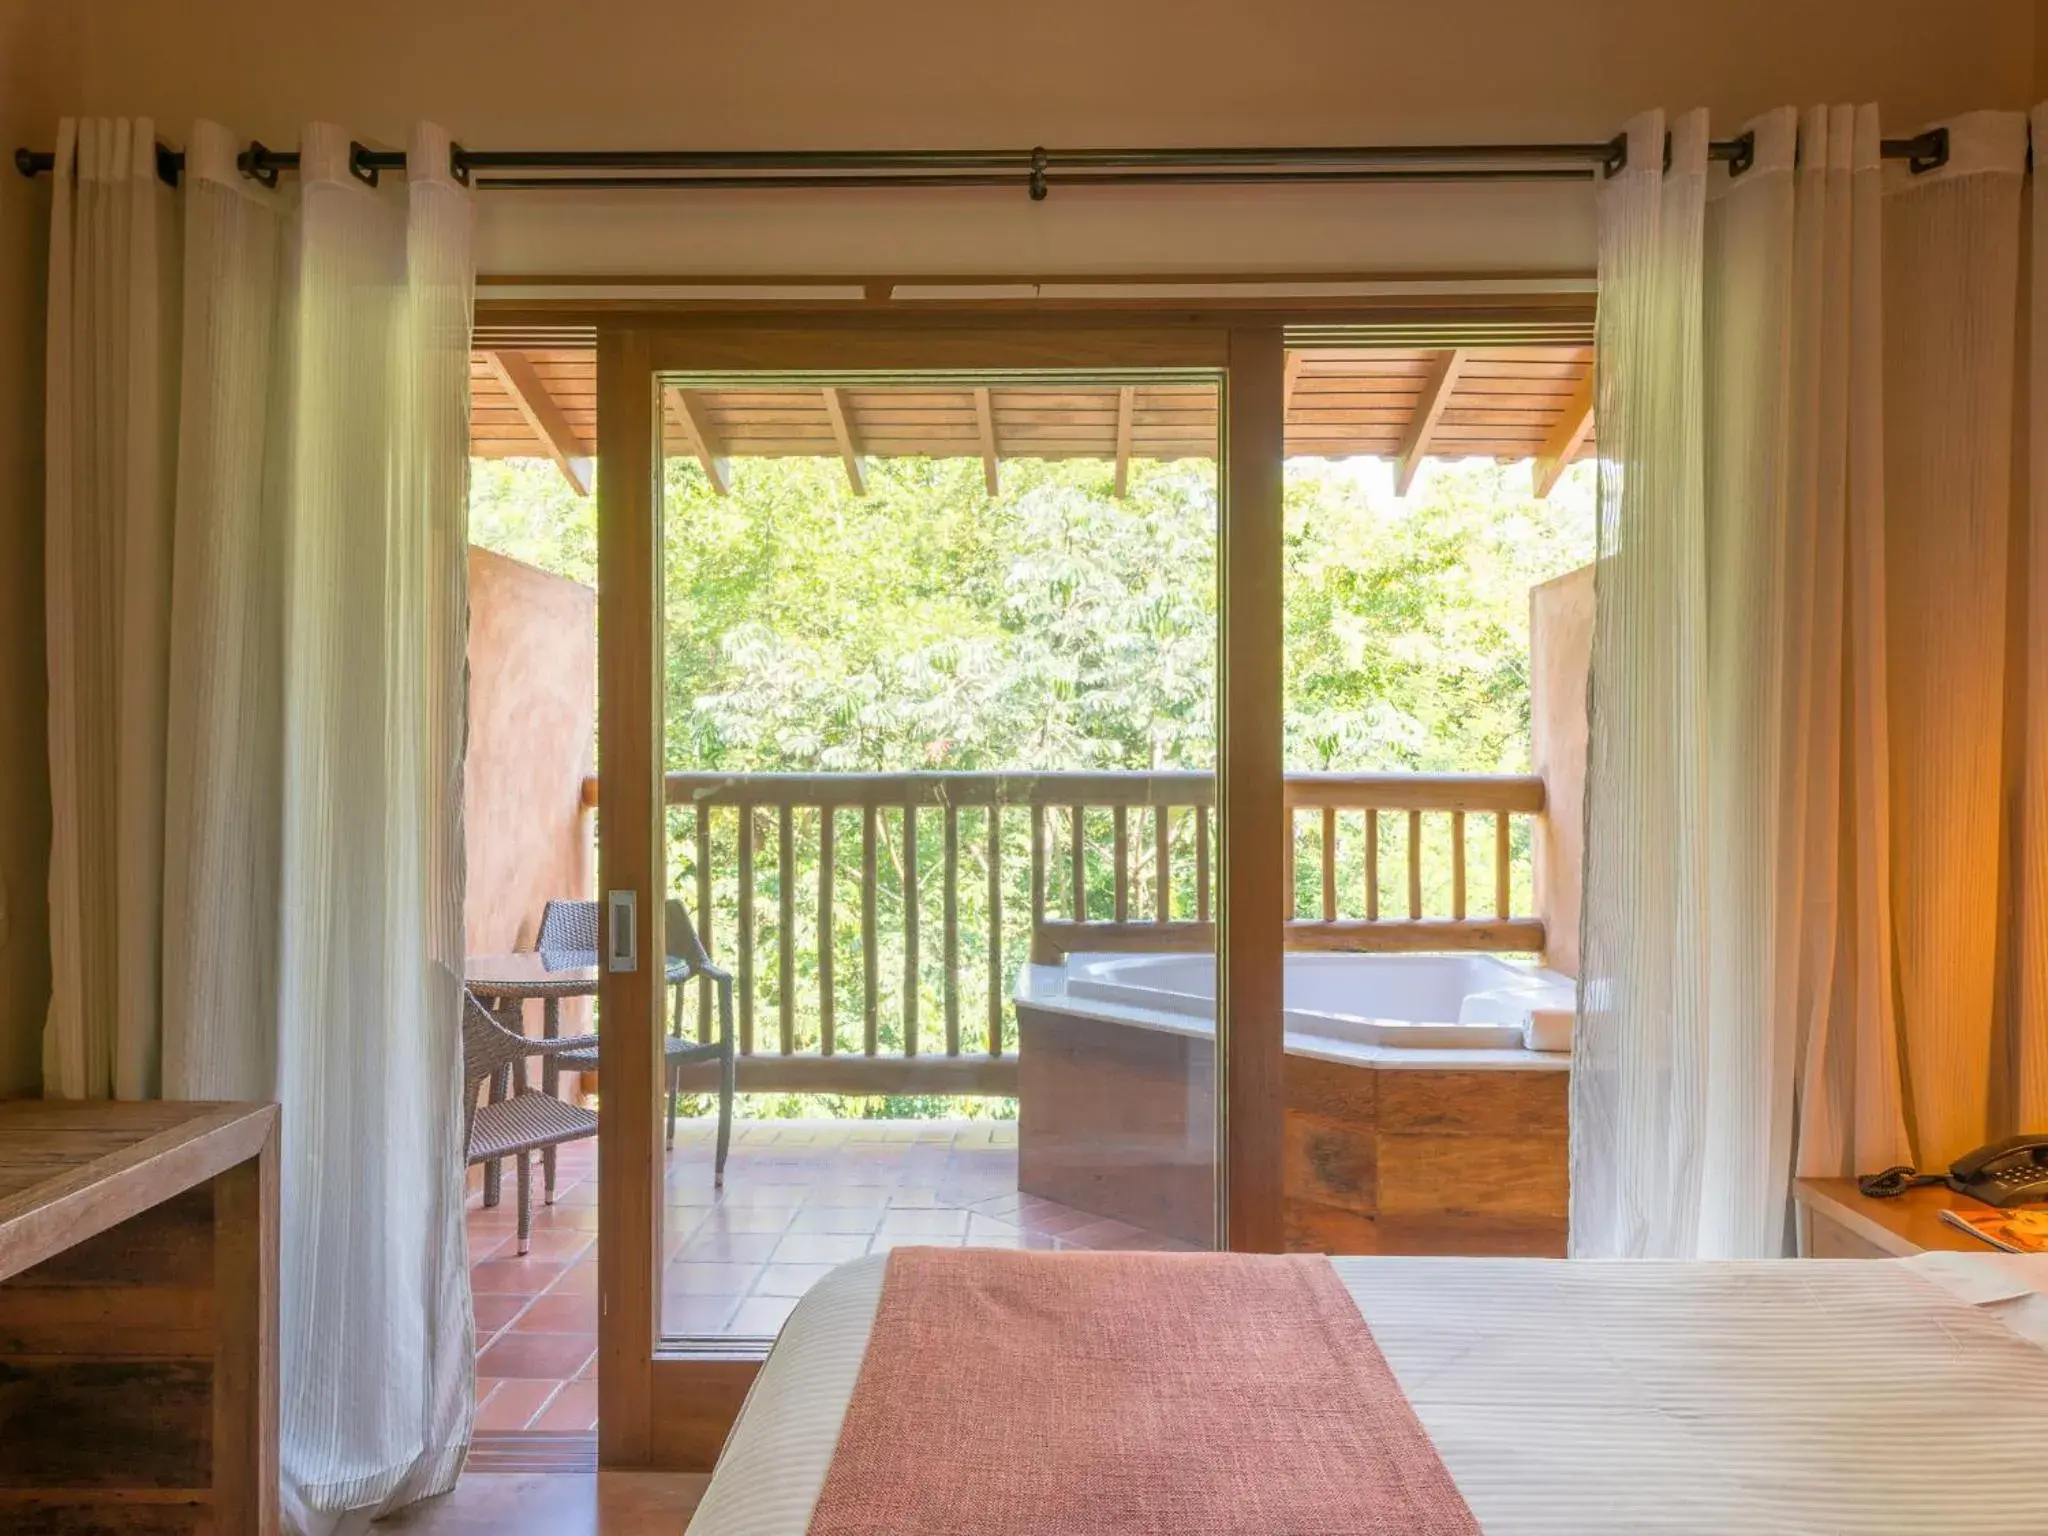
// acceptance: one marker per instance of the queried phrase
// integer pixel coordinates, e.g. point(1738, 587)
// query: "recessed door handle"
point(623, 932)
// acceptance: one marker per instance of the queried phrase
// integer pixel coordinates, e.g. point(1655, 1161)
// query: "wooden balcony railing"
point(827, 877)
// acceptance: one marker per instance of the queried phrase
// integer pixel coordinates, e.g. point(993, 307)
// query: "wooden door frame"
point(672, 1410)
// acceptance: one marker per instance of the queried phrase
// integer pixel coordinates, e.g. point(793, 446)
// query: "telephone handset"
point(2009, 1172)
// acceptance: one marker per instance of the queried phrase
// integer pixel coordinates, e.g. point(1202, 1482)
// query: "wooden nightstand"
point(1837, 1222)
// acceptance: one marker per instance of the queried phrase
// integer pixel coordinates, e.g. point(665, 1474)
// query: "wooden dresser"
point(138, 1306)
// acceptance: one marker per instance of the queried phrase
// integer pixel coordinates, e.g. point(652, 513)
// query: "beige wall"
point(1010, 73)
point(1560, 656)
point(532, 728)
point(38, 70)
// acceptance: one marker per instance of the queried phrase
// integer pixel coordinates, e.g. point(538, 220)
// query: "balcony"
point(879, 927)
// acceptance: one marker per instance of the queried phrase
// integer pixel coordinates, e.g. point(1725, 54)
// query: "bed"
point(1569, 1399)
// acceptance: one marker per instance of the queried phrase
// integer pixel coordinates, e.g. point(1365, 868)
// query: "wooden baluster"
point(1162, 866)
point(827, 1026)
point(1077, 817)
point(704, 913)
point(1289, 905)
point(1372, 865)
point(1329, 864)
point(746, 954)
point(1202, 863)
point(1037, 867)
point(1502, 876)
point(870, 948)
point(995, 929)
point(910, 986)
point(950, 896)
point(1120, 840)
point(1458, 865)
point(785, 938)
point(1414, 864)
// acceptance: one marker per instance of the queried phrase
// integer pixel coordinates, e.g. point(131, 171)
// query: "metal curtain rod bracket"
point(1036, 170)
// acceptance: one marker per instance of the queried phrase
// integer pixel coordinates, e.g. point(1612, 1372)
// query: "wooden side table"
point(1836, 1221)
point(138, 1318)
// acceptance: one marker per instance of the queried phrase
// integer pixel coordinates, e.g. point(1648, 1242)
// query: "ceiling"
point(1509, 403)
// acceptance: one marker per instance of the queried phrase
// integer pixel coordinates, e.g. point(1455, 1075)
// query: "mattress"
point(1899, 1396)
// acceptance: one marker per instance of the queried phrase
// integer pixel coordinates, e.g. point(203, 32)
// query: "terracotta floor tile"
point(573, 1410)
point(532, 1356)
point(924, 1224)
point(559, 1314)
point(789, 1279)
point(494, 1311)
point(513, 1404)
point(727, 1247)
point(709, 1279)
point(761, 1315)
point(565, 1244)
point(579, 1279)
point(697, 1314)
point(517, 1277)
point(819, 1248)
point(837, 1218)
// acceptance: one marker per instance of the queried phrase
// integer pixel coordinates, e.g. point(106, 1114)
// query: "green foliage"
point(929, 626)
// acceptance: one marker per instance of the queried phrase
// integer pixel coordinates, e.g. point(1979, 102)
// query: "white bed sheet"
point(1578, 1399)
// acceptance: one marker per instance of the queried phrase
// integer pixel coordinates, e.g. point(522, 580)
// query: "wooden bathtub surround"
point(138, 1318)
point(1121, 1122)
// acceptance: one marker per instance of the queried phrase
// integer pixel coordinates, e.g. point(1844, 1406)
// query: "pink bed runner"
point(1154, 1394)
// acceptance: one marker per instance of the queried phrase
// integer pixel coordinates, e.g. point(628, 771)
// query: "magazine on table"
point(2012, 1231)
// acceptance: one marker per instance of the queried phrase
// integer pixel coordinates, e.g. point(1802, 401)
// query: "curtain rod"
point(1036, 170)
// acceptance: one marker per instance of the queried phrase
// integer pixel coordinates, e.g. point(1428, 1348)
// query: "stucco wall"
point(532, 723)
point(1560, 652)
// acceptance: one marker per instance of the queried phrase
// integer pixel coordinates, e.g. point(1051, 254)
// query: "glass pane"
point(532, 869)
point(1438, 618)
point(940, 702)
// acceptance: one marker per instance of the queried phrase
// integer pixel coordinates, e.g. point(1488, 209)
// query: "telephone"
point(2009, 1172)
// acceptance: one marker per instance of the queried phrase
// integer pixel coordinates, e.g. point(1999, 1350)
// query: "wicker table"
point(504, 982)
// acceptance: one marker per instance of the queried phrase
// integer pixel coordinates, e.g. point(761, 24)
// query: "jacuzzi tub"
point(1436, 1002)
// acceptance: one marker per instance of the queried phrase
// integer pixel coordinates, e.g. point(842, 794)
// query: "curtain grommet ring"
point(359, 165)
point(1743, 153)
point(458, 164)
point(1929, 153)
point(254, 163)
point(1037, 182)
point(1615, 161)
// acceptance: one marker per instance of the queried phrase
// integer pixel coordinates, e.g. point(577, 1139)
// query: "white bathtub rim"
point(1043, 987)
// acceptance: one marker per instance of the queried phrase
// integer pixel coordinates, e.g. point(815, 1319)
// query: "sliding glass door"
point(942, 819)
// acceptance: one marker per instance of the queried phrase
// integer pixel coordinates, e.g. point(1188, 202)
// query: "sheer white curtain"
point(1795, 786)
point(308, 753)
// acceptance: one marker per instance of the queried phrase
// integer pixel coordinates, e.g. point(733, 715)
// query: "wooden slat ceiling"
point(1493, 402)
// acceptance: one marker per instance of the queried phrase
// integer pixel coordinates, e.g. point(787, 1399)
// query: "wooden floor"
point(799, 1198)
point(586, 1504)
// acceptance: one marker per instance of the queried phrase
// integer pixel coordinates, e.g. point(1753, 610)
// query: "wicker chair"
point(572, 925)
point(524, 1121)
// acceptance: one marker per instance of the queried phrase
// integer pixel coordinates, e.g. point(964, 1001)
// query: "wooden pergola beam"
point(1288, 375)
point(849, 442)
point(985, 426)
point(1429, 410)
point(1126, 405)
point(1566, 438)
point(703, 438)
point(525, 388)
